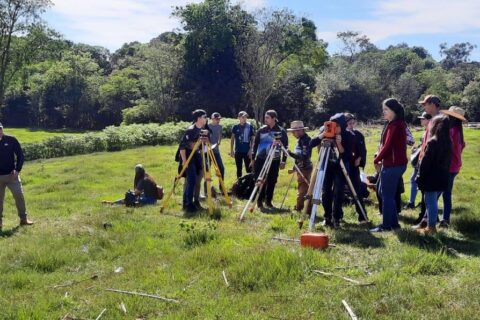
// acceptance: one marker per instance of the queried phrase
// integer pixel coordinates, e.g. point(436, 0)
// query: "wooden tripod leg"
point(213, 160)
point(208, 178)
point(179, 176)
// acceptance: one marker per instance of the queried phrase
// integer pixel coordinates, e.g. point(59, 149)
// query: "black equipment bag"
point(243, 187)
point(130, 199)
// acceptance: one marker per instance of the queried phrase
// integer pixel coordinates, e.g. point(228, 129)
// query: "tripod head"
point(277, 135)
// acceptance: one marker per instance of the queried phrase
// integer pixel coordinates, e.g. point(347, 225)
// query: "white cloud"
point(409, 17)
point(111, 23)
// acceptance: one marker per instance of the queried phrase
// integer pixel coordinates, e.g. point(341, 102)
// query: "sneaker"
point(26, 222)
point(444, 224)
point(190, 208)
point(428, 230)
point(269, 205)
point(198, 206)
point(380, 228)
point(202, 197)
point(422, 225)
point(409, 206)
point(260, 205)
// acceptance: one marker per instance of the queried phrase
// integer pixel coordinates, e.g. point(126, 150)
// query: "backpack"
point(243, 187)
point(159, 192)
point(130, 199)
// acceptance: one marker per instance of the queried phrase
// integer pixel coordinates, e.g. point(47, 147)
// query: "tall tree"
point(16, 18)
point(260, 52)
point(353, 43)
point(456, 54)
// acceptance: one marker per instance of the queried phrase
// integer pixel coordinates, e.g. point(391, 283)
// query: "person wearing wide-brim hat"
point(456, 116)
point(302, 154)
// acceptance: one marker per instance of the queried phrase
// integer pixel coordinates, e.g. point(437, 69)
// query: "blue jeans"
point(143, 200)
point(431, 199)
point(389, 178)
point(413, 186)
point(447, 197)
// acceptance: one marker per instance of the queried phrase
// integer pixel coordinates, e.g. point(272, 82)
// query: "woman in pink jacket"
point(456, 115)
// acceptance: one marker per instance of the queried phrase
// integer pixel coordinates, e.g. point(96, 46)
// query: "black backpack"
point(243, 187)
point(130, 199)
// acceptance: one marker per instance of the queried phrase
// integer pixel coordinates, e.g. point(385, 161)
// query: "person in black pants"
point(242, 141)
point(264, 140)
point(358, 160)
point(334, 181)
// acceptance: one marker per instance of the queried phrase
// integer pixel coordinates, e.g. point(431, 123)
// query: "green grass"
point(31, 135)
point(63, 264)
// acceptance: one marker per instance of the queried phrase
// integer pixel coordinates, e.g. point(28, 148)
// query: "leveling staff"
point(193, 174)
point(264, 139)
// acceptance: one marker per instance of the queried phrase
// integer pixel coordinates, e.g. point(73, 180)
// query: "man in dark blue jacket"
point(264, 140)
point(11, 163)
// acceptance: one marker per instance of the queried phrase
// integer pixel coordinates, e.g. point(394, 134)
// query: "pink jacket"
point(457, 148)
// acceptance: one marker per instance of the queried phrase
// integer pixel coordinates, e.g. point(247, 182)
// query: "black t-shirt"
point(11, 155)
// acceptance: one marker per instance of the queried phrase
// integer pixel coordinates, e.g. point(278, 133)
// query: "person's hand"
point(277, 142)
point(282, 165)
point(377, 166)
point(321, 135)
point(338, 139)
point(357, 162)
point(184, 163)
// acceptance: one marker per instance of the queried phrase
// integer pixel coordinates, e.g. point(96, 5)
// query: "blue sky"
point(427, 23)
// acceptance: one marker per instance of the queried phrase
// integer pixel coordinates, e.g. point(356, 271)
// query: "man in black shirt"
point(194, 171)
point(264, 140)
point(11, 162)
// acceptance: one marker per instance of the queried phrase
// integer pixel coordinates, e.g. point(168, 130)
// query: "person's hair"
point(440, 131)
point(396, 107)
point(457, 123)
point(197, 114)
point(272, 113)
point(140, 174)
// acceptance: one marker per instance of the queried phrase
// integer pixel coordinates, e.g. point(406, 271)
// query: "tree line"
point(226, 60)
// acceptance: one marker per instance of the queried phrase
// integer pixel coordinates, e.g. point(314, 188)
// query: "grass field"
point(60, 267)
point(30, 135)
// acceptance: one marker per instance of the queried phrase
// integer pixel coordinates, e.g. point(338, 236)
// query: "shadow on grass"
point(9, 233)
point(410, 220)
point(358, 238)
point(440, 241)
point(468, 225)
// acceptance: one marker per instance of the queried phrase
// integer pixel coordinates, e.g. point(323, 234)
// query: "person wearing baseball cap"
point(302, 154)
point(11, 163)
point(215, 140)
point(241, 143)
point(456, 116)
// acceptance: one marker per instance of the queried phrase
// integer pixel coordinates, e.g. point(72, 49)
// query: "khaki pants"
point(302, 188)
point(15, 186)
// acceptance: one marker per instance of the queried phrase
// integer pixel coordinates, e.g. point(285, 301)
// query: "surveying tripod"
point(276, 147)
point(208, 161)
point(328, 150)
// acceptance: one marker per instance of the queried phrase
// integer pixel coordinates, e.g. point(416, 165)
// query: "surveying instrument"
point(276, 150)
point(208, 162)
point(328, 152)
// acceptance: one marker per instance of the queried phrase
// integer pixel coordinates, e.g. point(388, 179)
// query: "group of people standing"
point(437, 161)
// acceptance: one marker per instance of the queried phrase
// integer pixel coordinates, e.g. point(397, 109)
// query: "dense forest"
point(226, 59)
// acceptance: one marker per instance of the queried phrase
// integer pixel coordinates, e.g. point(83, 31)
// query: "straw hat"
point(297, 125)
point(455, 112)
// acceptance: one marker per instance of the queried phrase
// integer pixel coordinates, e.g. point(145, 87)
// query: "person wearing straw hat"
point(456, 116)
point(302, 154)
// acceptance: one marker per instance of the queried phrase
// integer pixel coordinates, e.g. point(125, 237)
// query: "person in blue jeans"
point(433, 174)
point(241, 143)
point(144, 186)
point(424, 119)
point(392, 157)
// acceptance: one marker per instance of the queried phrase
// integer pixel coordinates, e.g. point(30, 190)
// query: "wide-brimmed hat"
point(455, 112)
point(297, 125)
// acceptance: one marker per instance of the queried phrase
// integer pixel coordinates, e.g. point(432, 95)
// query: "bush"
point(114, 139)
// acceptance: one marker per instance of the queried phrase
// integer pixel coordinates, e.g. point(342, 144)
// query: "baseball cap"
point(425, 115)
point(216, 115)
point(431, 99)
point(243, 114)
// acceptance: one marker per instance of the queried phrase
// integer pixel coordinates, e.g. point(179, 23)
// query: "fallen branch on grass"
point(349, 310)
point(358, 283)
point(101, 314)
point(225, 278)
point(144, 295)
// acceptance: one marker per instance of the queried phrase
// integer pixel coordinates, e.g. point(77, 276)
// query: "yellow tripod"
point(208, 161)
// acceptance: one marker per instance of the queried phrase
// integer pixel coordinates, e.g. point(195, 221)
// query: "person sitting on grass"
point(145, 189)
point(433, 173)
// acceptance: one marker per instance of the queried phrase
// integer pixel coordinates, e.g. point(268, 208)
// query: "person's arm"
point(17, 149)
point(252, 138)
point(232, 144)
point(338, 142)
point(256, 142)
point(284, 140)
point(362, 150)
point(387, 144)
